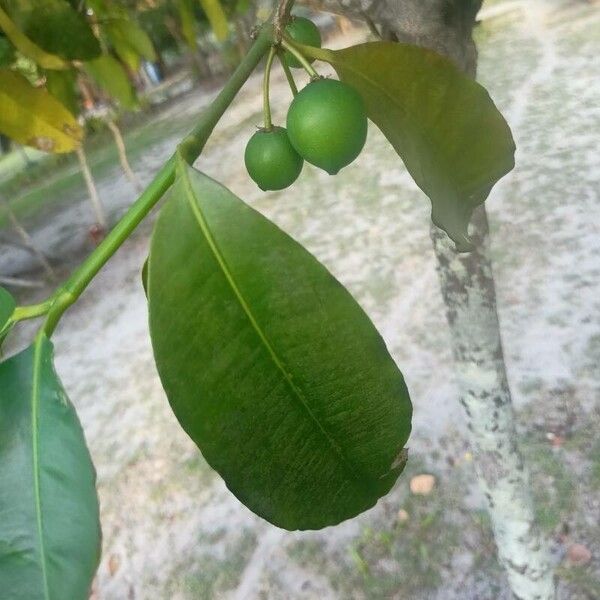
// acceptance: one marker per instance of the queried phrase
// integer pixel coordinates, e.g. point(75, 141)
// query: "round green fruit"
point(271, 160)
point(327, 124)
point(305, 32)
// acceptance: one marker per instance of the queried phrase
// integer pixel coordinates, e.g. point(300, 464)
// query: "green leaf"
point(7, 307)
point(130, 41)
point(7, 52)
point(445, 127)
point(62, 85)
point(109, 74)
point(49, 521)
point(56, 27)
point(144, 276)
point(187, 22)
point(33, 117)
point(216, 17)
point(269, 364)
point(24, 45)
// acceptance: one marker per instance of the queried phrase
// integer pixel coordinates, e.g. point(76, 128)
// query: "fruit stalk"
point(286, 45)
point(288, 73)
point(266, 79)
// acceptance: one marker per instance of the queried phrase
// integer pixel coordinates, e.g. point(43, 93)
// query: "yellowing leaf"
point(27, 47)
point(33, 117)
point(216, 17)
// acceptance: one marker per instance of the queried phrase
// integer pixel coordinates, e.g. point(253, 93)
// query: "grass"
point(393, 558)
point(553, 483)
point(214, 576)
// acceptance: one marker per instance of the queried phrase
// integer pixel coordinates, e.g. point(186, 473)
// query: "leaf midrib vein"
point(35, 401)
point(197, 212)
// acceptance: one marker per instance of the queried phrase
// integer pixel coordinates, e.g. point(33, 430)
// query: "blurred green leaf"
point(130, 41)
point(110, 75)
point(216, 17)
point(62, 85)
point(187, 21)
point(24, 45)
point(33, 117)
point(7, 52)
point(49, 521)
point(269, 363)
point(445, 127)
point(57, 28)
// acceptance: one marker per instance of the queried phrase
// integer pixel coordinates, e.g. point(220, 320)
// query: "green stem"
point(267, 77)
point(298, 55)
point(193, 144)
point(21, 313)
point(288, 72)
point(190, 149)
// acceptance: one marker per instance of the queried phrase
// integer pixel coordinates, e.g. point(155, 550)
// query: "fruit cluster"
point(326, 123)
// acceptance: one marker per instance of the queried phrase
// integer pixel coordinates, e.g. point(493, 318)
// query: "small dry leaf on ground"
point(422, 484)
point(113, 564)
point(403, 516)
point(579, 555)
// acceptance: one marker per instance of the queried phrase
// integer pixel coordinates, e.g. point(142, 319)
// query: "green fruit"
point(327, 124)
point(305, 32)
point(271, 160)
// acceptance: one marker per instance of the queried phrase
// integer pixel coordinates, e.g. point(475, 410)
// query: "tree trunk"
point(121, 150)
point(467, 286)
point(91, 188)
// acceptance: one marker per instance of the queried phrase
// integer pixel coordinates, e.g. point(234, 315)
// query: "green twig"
point(21, 313)
point(190, 149)
point(299, 56)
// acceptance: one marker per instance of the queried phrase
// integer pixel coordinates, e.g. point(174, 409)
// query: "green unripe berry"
point(327, 124)
point(305, 32)
point(271, 160)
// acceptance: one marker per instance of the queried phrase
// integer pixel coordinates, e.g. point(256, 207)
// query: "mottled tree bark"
point(467, 286)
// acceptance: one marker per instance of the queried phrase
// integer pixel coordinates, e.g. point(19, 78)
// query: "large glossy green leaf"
point(445, 127)
point(22, 43)
point(32, 116)
point(49, 523)
point(57, 28)
point(110, 75)
point(269, 364)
